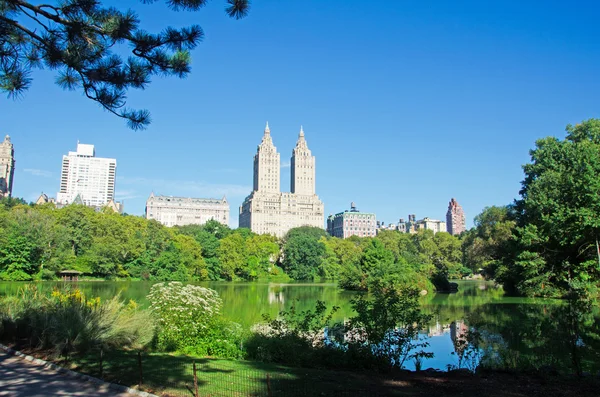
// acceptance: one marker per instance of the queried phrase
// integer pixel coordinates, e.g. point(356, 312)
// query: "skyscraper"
point(269, 211)
point(302, 179)
point(7, 167)
point(86, 178)
point(455, 218)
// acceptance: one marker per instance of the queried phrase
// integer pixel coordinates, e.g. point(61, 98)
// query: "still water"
point(524, 329)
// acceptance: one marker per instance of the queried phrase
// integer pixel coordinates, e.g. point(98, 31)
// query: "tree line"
point(39, 241)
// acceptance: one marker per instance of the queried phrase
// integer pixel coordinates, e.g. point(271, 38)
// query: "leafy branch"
point(77, 38)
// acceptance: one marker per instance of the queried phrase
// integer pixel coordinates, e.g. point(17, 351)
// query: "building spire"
point(267, 130)
point(301, 132)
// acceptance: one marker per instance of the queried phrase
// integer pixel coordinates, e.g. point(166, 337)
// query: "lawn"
point(172, 375)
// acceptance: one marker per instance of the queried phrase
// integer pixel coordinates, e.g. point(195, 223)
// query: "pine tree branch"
point(23, 29)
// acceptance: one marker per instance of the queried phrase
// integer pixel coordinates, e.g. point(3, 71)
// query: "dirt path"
point(20, 378)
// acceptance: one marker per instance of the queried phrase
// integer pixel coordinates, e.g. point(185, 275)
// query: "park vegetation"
point(546, 242)
point(185, 318)
point(39, 241)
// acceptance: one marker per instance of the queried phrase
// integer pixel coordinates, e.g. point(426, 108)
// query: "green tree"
point(303, 253)
point(263, 253)
point(10, 202)
point(82, 41)
point(233, 256)
point(210, 244)
point(557, 216)
point(391, 241)
point(375, 262)
point(190, 256)
point(489, 242)
point(449, 260)
point(311, 231)
point(26, 242)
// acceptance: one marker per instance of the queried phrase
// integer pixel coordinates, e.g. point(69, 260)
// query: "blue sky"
point(404, 104)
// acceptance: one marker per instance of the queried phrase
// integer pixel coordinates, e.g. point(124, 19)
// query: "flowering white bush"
point(183, 312)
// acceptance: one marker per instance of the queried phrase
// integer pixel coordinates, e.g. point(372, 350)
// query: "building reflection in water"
point(276, 295)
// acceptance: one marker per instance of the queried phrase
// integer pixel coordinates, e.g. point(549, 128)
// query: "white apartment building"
point(431, 224)
point(180, 211)
point(267, 210)
point(352, 223)
point(87, 176)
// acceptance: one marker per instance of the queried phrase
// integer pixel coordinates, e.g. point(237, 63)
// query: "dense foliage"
point(84, 41)
point(546, 243)
point(488, 244)
point(382, 335)
point(557, 215)
point(37, 242)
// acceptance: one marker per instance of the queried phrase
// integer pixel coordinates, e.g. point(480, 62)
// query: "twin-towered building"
point(267, 210)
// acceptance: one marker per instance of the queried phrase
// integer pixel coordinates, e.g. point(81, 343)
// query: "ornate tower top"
point(302, 168)
point(267, 141)
point(301, 143)
point(266, 165)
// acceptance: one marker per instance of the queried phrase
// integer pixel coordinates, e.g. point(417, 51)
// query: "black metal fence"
point(175, 376)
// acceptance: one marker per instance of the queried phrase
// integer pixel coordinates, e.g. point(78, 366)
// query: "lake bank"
point(513, 321)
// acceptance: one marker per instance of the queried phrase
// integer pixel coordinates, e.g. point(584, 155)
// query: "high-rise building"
point(7, 167)
point(352, 223)
point(180, 211)
point(86, 178)
point(269, 211)
point(455, 218)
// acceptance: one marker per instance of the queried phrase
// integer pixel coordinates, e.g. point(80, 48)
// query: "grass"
point(172, 375)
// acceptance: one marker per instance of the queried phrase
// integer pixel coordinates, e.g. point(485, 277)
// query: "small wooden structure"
point(70, 275)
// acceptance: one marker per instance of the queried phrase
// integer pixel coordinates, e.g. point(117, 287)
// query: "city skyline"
point(423, 103)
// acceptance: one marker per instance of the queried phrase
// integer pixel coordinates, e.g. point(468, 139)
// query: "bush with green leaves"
point(188, 318)
point(295, 338)
point(386, 326)
point(182, 312)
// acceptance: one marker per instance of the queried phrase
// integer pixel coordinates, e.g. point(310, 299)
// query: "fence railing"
point(182, 376)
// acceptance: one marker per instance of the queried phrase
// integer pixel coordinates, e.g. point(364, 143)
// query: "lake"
point(520, 328)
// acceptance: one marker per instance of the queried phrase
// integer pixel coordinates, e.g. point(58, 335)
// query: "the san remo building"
point(267, 209)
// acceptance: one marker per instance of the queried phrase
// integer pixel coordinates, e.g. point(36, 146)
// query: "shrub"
point(383, 334)
point(386, 327)
point(294, 338)
point(67, 322)
point(189, 321)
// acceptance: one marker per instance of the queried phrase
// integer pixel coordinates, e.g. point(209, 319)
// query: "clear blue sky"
point(405, 104)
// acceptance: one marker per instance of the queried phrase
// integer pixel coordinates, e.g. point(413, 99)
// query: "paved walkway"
point(20, 378)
